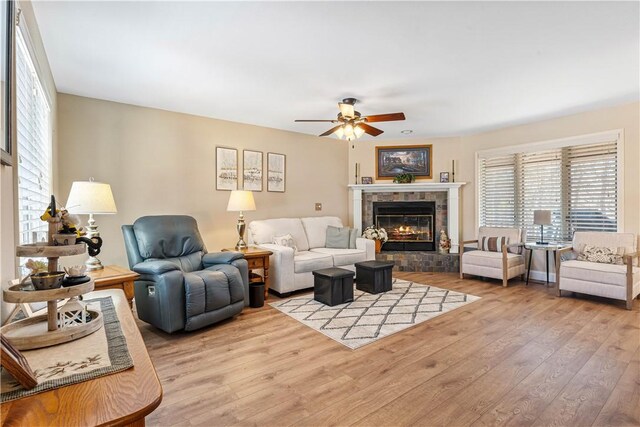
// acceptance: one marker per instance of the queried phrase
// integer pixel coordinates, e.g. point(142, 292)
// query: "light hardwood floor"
point(519, 356)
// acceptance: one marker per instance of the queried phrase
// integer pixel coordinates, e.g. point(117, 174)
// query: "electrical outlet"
point(318, 206)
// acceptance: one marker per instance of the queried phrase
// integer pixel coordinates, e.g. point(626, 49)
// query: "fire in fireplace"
point(410, 225)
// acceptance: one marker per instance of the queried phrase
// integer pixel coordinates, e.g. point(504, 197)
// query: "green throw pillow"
point(337, 237)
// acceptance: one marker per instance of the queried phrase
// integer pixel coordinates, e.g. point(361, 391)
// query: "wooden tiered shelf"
point(42, 330)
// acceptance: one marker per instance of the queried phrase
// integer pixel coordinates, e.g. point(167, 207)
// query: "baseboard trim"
point(541, 276)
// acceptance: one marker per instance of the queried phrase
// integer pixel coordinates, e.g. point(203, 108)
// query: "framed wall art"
point(226, 168)
point(276, 172)
point(444, 176)
point(252, 170)
point(413, 159)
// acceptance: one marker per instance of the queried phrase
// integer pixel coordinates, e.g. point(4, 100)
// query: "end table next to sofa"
point(257, 258)
point(547, 247)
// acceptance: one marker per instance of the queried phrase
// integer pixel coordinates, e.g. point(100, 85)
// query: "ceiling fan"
point(352, 124)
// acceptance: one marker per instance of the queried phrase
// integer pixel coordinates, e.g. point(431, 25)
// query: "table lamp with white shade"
point(239, 201)
point(542, 218)
point(92, 198)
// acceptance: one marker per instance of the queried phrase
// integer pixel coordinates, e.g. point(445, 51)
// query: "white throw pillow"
point(286, 240)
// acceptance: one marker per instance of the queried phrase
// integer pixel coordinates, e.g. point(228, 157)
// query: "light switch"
point(318, 206)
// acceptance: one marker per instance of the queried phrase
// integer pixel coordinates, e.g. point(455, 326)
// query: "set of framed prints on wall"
point(252, 170)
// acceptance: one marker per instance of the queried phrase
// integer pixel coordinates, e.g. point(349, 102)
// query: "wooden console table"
point(257, 258)
point(120, 399)
point(115, 277)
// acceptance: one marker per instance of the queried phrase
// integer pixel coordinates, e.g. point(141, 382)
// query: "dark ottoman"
point(373, 276)
point(333, 286)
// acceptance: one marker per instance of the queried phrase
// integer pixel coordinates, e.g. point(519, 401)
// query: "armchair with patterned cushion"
point(498, 255)
point(602, 264)
point(181, 286)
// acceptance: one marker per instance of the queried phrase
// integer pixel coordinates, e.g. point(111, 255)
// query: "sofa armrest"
point(559, 253)
point(213, 258)
point(628, 258)
point(281, 268)
point(368, 245)
point(154, 267)
point(464, 242)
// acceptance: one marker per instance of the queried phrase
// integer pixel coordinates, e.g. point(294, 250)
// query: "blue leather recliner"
point(181, 286)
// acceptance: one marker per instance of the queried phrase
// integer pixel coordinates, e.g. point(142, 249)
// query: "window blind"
point(577, 183)
point(498, 191)
point(33, 147)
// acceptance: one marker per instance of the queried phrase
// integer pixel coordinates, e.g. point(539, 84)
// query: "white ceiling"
point(453, 68)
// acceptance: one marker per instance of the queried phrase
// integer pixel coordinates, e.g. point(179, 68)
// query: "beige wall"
point(463, 149)
point(160, 162)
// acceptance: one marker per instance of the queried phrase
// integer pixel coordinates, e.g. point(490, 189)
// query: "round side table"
point(547, 247)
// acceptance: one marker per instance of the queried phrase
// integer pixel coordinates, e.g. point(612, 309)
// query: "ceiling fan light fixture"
point(347, 110)
point(348, 131)
point(339, 132)
point(358, 131)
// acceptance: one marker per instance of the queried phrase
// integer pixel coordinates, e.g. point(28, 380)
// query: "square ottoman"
point(374, 276)
point(333, 286)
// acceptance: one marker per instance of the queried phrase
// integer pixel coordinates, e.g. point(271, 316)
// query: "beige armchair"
point(621, 282)
point(503, 265)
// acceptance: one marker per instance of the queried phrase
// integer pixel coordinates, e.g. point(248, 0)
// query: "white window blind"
point(577, 183)
point(498, 191)
point(34, 147)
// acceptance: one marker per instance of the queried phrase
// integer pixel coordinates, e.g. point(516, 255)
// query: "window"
point(34, 147)
point(576, 179)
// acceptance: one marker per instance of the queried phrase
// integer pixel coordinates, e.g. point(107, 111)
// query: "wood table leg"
point(266, 278)
point(127, 287)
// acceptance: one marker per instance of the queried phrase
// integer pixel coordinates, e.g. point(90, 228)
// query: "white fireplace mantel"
point(453, 201)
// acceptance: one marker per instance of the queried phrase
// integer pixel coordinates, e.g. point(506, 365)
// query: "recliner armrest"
point(154, 267)
point(214, 258)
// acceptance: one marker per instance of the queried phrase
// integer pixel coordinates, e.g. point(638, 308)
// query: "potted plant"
point(404, 178)
point(379, 235)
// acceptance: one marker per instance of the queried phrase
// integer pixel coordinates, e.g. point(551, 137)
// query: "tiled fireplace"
point(413, 215)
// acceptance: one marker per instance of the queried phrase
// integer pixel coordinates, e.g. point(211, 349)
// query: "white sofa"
point(504, 265)
point(288, 271)
point(621, 282)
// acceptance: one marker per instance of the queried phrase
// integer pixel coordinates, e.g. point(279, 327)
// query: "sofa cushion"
point(306, 262)
point(602, 255)
point(316, 229)
point(491, 259)
point(343, 256)
point(263, 231)
point(609, 274)
point(513, 234)
point(493, 244)
point(167, 236)
point(286, 240)
point(337, 237)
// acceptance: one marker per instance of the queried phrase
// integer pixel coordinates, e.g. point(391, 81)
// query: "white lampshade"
point(542, 217)
point(241, 200)
point(90, 197)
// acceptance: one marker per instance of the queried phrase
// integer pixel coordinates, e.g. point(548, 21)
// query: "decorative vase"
point(378, 246)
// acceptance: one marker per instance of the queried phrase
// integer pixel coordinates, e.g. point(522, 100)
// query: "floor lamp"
point(92, 198)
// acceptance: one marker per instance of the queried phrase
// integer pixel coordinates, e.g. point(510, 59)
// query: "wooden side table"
point(257, 258)
point(115, 277)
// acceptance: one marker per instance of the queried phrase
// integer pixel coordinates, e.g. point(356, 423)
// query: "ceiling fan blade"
point(330, 131)
point(370, 129)
point(318, 121)
point(347, 110)
point(390, 117)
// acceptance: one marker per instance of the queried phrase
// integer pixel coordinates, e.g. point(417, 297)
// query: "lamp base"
point(241, 244)
point(93, 264)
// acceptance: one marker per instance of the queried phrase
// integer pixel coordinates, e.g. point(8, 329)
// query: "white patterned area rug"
point(371, 317)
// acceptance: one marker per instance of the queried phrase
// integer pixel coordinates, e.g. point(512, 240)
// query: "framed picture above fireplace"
point(413, 159)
